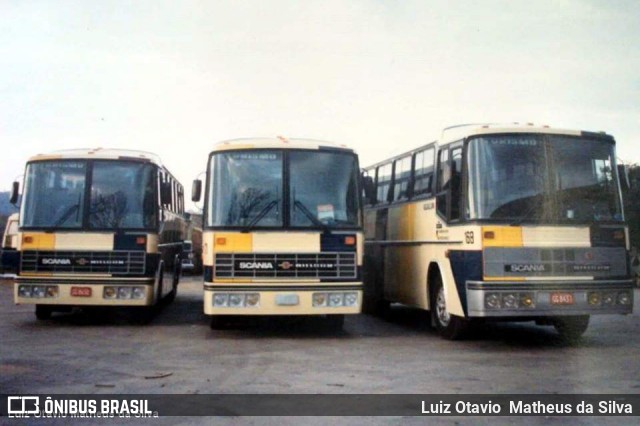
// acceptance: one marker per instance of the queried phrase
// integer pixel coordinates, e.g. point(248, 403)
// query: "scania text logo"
point(255, 265)
point(53, 261)
point(526, 267)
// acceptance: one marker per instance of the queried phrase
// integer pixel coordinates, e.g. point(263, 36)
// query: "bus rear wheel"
point(43, 312)
point(449, 326)
point(571, 328)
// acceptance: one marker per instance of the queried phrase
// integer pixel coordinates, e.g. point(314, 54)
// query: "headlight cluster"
point(335, 300)
point(124, 292)
point(38, 291)
point(509, 300)
point(597, 298)
point(236, 300)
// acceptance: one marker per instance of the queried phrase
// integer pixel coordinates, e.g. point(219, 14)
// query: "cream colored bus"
point(98, 227)
point(282, 230)
point(515, 222)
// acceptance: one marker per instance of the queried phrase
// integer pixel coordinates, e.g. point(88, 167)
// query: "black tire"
point(334, 322)
point(43, 312)
point(450, 327)
point(169, 298)
point(571, 328)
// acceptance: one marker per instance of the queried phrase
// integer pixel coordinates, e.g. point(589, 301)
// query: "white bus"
point(282, 230)
point(98, 227)
point(515, 222)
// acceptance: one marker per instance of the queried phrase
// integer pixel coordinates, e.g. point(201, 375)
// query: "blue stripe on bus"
point(335, 242)
point(128, 242)
point(466, 265)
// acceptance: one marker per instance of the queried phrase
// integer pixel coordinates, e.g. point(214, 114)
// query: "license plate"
point(562, 298)
point(287, 299)
point(81, 291)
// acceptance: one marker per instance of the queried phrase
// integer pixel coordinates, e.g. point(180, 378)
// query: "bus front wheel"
point(43, 312)
point(571, 328)
point(449, 326)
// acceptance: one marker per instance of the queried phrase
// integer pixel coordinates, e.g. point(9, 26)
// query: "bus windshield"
point(247, 189)
point(121, 195)
point(543, 179)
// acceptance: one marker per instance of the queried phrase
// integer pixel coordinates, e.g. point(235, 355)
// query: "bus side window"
point(444, 175)
point(423, 174)
point(383, 183)
point(401, 179)
point(455, 183)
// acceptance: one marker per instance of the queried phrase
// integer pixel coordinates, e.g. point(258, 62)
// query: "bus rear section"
point(283, 233)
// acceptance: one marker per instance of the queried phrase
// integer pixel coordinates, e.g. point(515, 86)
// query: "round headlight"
point(220, 299)
point(335, 299)
point(319, 299)
point(137, 293)
point(350, 299)
point(492, 301)
point(510, 301)
point(124, 292)
point(236, 300)
point(252, 299)
point(109, 293)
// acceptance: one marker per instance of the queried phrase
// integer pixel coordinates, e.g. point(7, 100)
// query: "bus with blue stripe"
point(500, 222)
point(282, 230)
point(98, 228)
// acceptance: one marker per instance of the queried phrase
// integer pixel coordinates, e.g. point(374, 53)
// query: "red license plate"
point(562, 298)
point(81, 291)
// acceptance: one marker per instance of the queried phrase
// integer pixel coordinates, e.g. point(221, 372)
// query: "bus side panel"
point(170, 249)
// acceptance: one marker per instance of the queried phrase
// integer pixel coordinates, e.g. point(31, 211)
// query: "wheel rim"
point(441, 309)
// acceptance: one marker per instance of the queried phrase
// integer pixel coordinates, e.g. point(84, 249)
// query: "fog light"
point(236, 300)
point(124, 292)
point(608, 299)
point(52, 291)
point(319, 299)
point(510, 301)
point(335, 299)
point(624, 298)
point(526, 300)
point(252, 299)
point(220, 299)
point(350, 299)
point(24, 291)
point(38, 291)
point(492, 301)
point(137, 293)
point(109, 293)
point(593, 298)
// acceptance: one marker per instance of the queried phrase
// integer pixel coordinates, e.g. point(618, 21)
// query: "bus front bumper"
point(548, 298)
point(282, 300)
point(84, 292)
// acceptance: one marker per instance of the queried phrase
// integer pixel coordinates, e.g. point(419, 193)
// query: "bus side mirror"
point(623, 175)
point(196, 190)
point(15, 193)
point(165, 193)
point(369, 189)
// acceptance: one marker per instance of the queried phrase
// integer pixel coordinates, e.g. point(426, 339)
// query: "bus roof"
point(99, 153)
point(455, 133)
point(278, 143)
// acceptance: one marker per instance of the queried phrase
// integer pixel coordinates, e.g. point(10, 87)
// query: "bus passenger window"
point(423, 179)
point(384, 182)
point(401, 179)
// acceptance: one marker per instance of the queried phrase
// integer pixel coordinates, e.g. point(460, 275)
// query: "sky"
point(381, 76)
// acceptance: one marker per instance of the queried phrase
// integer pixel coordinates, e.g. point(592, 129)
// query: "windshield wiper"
point(67, 214)
point(260, 215)
point(311, 217)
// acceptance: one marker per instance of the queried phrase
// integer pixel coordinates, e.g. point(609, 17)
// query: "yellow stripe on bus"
point(502, 236)
point(38, 241)
point(233, 242)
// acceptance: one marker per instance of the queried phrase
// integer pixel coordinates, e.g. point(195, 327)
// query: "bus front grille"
point(103, 262)
point(339, 265)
